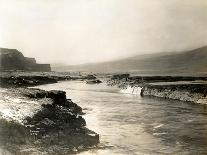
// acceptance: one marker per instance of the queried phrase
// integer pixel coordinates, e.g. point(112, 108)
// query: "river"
point(130, 124)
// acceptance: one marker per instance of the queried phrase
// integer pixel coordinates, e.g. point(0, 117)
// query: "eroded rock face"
point(25, 81)
point(120, 76)
point(91, 77)
point(190, 93)
point(12, 59)
point(97, 81)
point(181, 88)
point(57, 124)
point(61, 115)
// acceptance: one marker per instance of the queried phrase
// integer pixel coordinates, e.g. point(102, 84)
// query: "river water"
point(130, 124)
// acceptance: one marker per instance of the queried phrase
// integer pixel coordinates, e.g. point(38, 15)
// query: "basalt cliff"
point(13, 60)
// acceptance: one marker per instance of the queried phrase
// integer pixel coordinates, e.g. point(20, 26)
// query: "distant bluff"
point(13, 60)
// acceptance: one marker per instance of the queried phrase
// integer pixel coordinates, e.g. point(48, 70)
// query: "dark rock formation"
point(91, 77)
point(49, 122)
point(58, 97)
point(56, 127)
point(185, 92)
point(60, 115)
point(184, 88)
point(25, 81)
point(12, 59)
point(97, 81)
point(149, 79)
point(120, 76)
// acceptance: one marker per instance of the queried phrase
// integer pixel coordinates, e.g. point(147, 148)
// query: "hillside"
point(194, 61)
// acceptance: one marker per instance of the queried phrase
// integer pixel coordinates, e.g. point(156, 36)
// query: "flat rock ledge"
point(196, 93)
point(42, 122)
point(188, 89)
point(24, 79)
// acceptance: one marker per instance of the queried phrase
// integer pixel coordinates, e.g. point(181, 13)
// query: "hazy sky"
point(79, 31)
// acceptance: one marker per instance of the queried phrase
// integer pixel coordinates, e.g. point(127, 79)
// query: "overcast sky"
point(80, 31)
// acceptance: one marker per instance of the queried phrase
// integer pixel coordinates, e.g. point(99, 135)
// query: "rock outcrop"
point(190, 89)
point(42, 121)
point(13, 60)
point(191, 93)
point(33, 121)
point(25, 81)
point(97, 81)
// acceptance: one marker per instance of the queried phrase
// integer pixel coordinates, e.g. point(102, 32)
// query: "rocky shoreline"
point(28, 79)
point(190, 93)
point(190, 89)
point(35, 120)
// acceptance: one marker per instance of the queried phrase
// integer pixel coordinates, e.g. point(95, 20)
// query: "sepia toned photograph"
point(103, 77)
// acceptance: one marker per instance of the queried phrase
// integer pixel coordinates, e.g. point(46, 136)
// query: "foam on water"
point(158, 126)
point(131, 90)
point(202, 100)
